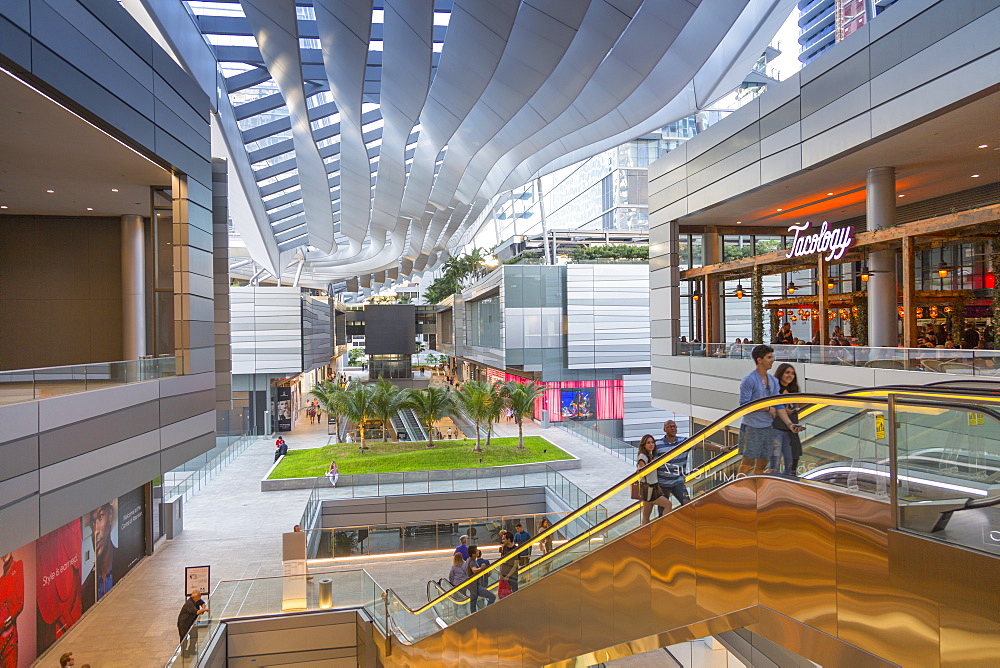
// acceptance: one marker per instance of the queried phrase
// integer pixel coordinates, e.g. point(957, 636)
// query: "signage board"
point(197, 577)
point(879, 425)
point(833, 242)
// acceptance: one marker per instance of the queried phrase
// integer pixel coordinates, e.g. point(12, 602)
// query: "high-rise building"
point(823, 23)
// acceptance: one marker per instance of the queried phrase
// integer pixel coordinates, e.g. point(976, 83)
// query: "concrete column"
point(882, 293)
point(711, 248)
point(133, 287)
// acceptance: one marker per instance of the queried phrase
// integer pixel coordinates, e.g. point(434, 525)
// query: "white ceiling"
point(44, 146)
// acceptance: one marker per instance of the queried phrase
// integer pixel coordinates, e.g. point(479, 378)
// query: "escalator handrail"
point(690, 443)
point(819, 400)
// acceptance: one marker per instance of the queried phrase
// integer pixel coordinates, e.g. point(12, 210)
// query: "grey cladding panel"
point(17, 457)
point(835, 83)
point(779, 119)
point(20, 524)
point(68, 503)
point(183, 452)
point(76, 439)
point(15, 43)
point(180, 407)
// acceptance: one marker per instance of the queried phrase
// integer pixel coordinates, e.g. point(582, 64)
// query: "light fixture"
point(948, 309)
point(943, 269)
point(781, 314)
point(989, 280)
point(975, 176)
point(794, 318)
point(830, 285)
point(739, 222)
point(920, 312)
point(114, 190)
point(50, 191)
point(791, 287)
point(739, 291)
point(983, 146)
point(828, 194)
point(865, 273)
point(696, 295)
point(90, 208)
point(3, 206)
point(780, 209)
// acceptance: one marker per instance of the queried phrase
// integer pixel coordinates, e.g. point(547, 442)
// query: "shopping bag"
point(504, 590)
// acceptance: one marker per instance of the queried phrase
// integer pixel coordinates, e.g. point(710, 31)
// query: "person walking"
point(476, 564)
point(545, 544)
point(787, 445)
point(186, 628)
point(671, 474)
point(652, 493)
point(522, 537)
point(333, 473)
point(508, 570)
point(756, 432)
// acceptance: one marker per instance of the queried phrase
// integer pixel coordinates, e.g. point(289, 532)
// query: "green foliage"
point(757, 305)
point(476, 399)
point(520, 399)
point(386, 402)
point(609, 252)
point(382, 299)
point(734, 252)
point(330, 397)
point(358, 406)
point(355, 356)
point(458, 271)
point(430, 405)
point(413, 456)
point(859, 319)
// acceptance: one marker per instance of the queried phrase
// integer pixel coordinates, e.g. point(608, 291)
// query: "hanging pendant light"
point(865, 273)
point(739, 291)
point(791, 287)
point(943, 269)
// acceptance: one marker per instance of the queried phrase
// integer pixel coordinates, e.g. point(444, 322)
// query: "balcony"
point(22, 385)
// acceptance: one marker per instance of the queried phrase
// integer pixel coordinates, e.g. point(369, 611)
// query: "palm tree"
point(498, 400)
point(430, 405)
point(330, 396)
point(358, 405)
point(388, 399)
point(521, 401)
point(475, 399)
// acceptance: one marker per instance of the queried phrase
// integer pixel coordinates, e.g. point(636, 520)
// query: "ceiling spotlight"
point(780, 209)
point(90, 208)
point(739, 291)
point(50, 191)
point(114, 190)
point(3, 206)
point(983, 146)
point(902, 195)
point(828, 194)
point(739, 222)
point(975, 176)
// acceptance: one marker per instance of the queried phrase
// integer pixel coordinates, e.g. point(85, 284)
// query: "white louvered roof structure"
point(372, 134)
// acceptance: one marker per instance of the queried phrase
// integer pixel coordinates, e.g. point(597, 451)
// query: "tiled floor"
point(234, 527)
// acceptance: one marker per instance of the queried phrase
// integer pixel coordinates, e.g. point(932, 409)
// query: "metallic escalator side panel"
point(866, 596)
point(597, 593)
point(811, 643)
point(796, 552)
point(672, 568)
point(487, 648)
point(726, 548)
point(968, 640)
point(961, 586)
point(633, 605)
point(565, 604)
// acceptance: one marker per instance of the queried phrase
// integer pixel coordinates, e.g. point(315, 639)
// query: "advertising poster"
point(577, 404)
point(131, 531)
point(284, 408)
point(17, 606)
point(57, 583)
point(102, 523)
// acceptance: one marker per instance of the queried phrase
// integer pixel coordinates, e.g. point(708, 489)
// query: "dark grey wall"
point(317, 333)
point(390, 329)
point(220, 283)
point(328, 639)
point(60, 291)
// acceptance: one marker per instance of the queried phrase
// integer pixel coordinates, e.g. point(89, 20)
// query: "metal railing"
point(417, 537)
point(203, 468)
point(610, 444)
point(253, 597)
point(515, 476)
point(961, 361)
point(31, 384)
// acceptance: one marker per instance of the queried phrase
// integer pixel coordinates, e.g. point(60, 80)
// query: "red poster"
point(17, 606)
point(57, 583)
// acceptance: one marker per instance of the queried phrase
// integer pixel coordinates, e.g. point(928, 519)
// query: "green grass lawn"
point(407, 456)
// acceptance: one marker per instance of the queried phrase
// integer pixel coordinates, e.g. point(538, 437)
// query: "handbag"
point(503, 589)
point(636, 492)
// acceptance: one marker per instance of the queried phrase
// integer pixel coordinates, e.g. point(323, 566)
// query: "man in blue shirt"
point(670, 475)
point(463, 547)
point(756, 432)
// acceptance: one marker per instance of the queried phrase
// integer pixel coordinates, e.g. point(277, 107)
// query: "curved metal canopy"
point(378, 131)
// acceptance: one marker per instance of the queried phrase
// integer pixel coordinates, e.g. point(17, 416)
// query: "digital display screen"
point(577, 404)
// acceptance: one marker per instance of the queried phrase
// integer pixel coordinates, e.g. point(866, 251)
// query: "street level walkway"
point(234, 527)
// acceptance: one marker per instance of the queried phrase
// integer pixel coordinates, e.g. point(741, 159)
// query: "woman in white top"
point(653, 493)
point(333, 473)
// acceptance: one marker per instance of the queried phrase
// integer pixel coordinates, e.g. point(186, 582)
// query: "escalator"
point(842, 565)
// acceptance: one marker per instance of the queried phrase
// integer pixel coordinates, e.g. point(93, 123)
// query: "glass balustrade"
point(31, 384)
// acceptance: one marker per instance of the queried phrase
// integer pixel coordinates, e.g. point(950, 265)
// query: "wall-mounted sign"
point(879, 425)
point(833, 242)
